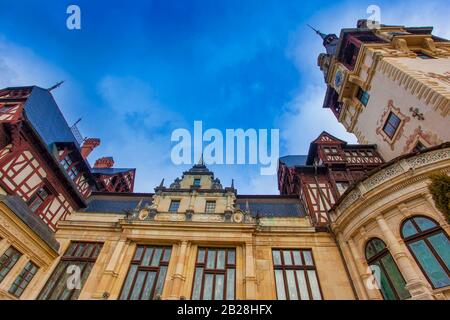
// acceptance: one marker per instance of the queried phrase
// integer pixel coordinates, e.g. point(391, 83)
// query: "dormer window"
point(363, 96)
point(197, 182)
point(174, 206)
point(38, 198)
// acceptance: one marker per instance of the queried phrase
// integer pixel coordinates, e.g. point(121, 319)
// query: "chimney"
point(106, 162)
point(89, 145)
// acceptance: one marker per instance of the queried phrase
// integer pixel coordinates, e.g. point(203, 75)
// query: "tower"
point(389, 86)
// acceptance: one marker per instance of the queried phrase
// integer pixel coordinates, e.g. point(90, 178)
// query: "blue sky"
point(138, 70)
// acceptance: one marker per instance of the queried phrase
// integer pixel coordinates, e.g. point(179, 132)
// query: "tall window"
point(23, 279)
point(145, 279)
point(7, 261)
point(38, 198)
point(68, 163)
point(78, 260)
point(392, 124)
point(430, 246)
point(390, 281)
point(210, 207)
point(363, 96)
point(215, 274)
point(174, 206)
point(295, 275)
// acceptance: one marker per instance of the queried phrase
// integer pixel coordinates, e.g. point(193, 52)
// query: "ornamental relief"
point(430, 138)
point(382, 121)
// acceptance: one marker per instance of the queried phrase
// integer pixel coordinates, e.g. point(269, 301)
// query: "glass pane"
point(383, 284)
point(287, 258)
point(207, 290)
point(276, 257)
point(218, 290)
point(424, 223)
point(135, 295)
point(211, 263)
point(230, 284)
point(201, 256)
point(88, 251)
point(128, 282)
point(429, 263)
point(302, 285)
point(221, 260)
point(149, 282)
point(308, 258)
point(441, 245)
point(395, 276)
point(71, 249)
point(231, 257)
point(297, 258)
point(292, 286)
point(378, 245)
point(156, 257)
point(138, 253)
point(370, 251)
point(161, 279)
point(147, 256)
point(167, 253)
point(408, 229)
point(281, 294)
point(314, 285)
point(197, 284)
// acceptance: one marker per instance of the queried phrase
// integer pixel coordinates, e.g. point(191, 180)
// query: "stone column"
point(360, 288)
point(250, 273)
point(417, 288)
point(178, 277)
point(364, 271)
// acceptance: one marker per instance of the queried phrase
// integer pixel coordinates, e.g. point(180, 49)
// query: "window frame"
point(22, 278)
point(195, 184)
point(214, 272)
point(147, 269)
point(4, 264)
point(424, 235)
point(208, 210)
point(363, 96)
point(388, 122)
point(377, 257)
point(37, 196)
point(172, 202)
point(304, 267)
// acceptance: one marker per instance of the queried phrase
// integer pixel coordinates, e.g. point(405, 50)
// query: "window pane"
point(408, 229)
point(276, 257)
point(201, 256)
point(230, 284)
point(161, 279)
point(297, 258)
point(441, 245)
point(308, 258)
point(279, 280)
point(207, 291)
point(287, 258)
point(429, 263)
point(149, 282)
point(314, 285)
point(292, 286)
point(221, 260)
point(147, 257)
point(218, 290)
point(167, 253)
point(135, 295)
point(304, 294)
point(385, 287)
point(128, 282)
point(395, 276)
point(197, 284)
point(425, 224)
point(211, 259)
point(231, 256)
point(156, 257)
point(370, 250)
point(378, 245)
point(138, 253)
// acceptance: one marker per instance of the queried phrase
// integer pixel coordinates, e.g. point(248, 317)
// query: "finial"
point(322, 35)
point(200, 161)
point(161, 185)
point(139, 205)
point(56, 86)
point(232, 183)
point(247, 206)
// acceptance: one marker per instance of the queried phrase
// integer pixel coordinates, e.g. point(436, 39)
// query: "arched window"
point(430, 246)
point(390, 281)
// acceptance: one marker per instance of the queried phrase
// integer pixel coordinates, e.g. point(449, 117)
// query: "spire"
point(161, 185)
point(56, 86)
point(322, 35)
point(232, 183)
point(200, 161)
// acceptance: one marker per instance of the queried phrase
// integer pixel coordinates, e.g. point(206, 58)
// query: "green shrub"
point(440, 189)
